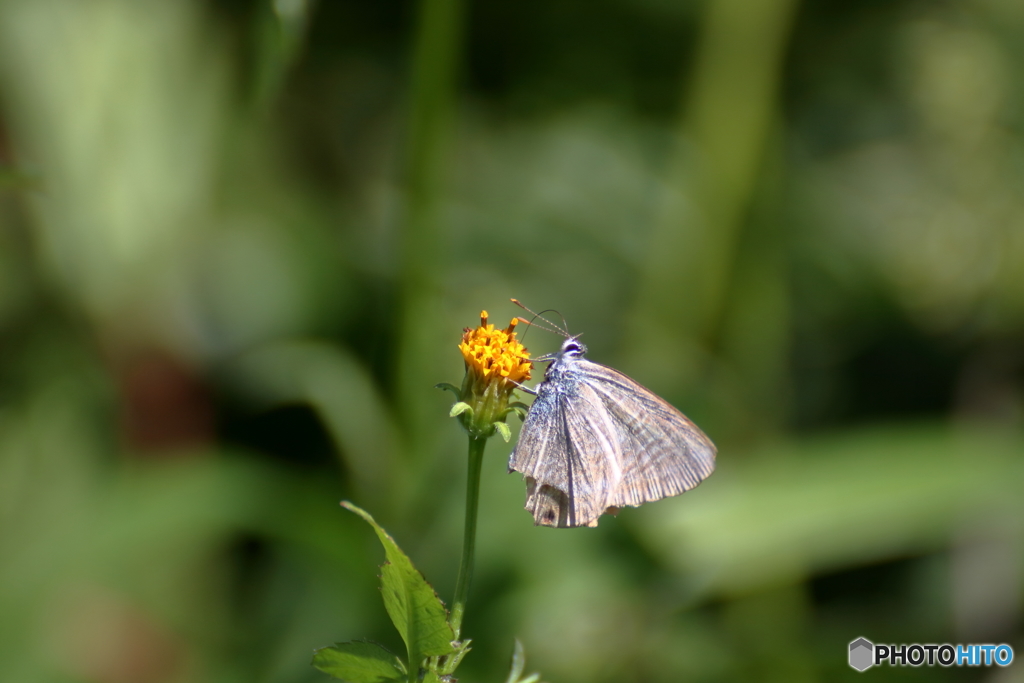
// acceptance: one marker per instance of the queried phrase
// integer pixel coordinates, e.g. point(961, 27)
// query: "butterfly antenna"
point(531, 323)
point(554, 328)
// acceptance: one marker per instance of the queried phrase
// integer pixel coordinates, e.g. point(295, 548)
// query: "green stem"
point(476, 456)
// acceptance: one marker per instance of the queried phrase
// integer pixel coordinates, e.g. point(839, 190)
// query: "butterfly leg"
point(523, 387)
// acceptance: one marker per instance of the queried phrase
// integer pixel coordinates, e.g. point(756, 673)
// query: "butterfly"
point(595, 440)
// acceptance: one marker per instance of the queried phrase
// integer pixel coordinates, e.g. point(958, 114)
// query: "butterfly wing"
point(597, 440)
point(565, 452)
point(662, 452)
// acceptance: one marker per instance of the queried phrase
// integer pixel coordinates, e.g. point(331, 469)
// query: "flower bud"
point(496, 363)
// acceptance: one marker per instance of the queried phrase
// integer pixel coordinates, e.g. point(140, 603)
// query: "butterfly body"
point(595, 440)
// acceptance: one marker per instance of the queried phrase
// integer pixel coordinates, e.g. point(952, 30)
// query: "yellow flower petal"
point(495, 354)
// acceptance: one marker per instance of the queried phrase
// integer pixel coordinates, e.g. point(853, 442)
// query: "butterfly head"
point(572, 348)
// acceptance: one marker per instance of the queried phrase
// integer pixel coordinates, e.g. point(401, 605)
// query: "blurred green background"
point(239, 240)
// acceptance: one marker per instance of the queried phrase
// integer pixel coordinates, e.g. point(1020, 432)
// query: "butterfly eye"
point(573, 348)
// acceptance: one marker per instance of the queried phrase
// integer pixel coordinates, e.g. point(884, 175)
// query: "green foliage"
point(359, 661)
point(415, 610)
point(518, 664)
point(503, 429)
point(421, 619)
point(459, 408)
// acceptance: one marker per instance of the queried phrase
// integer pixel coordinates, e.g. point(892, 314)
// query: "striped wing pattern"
point(596, 440)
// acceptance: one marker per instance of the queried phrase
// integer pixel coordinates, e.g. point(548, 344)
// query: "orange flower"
point(495, 354)
point(496, 364)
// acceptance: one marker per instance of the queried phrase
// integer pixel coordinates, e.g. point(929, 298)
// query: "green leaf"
point(459, 408)
point(444, 666)
point(518, 664)
point(503, 429)
point(520, 409)
point(359, 661)
point(414, 608)
point(450, 387)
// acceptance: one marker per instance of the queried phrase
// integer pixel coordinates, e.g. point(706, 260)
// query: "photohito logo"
point(861, 654)
point(864, 654)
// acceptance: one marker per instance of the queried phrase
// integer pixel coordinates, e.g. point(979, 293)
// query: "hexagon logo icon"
point(862, 653)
